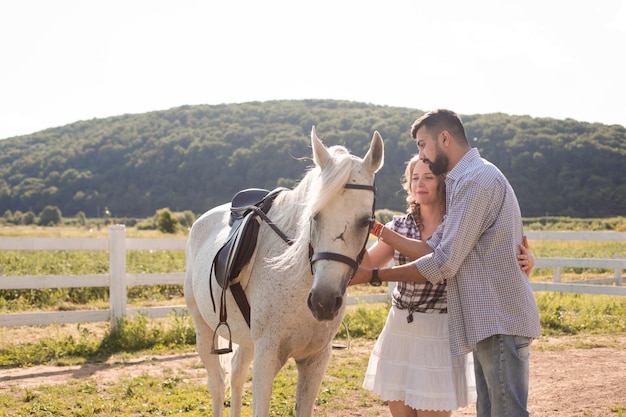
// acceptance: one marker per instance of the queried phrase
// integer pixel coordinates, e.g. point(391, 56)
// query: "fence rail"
point(593, 286)
point(118, 280)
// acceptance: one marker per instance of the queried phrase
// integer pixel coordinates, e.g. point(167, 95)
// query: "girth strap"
point(242, 300)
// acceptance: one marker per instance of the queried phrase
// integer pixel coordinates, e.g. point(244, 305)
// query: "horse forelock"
point(329, 182)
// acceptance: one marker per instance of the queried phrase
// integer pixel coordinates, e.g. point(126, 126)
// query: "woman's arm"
point(411, 248)
point(378, 255)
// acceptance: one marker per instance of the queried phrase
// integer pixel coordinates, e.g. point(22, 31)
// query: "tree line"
point(196, 157)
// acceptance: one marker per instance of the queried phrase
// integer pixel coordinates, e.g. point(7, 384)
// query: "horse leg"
point(216, 378)
point(240, 367)
point(265, 367)
point(311, 372)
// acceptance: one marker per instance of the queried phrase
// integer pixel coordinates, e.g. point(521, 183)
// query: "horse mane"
point(317, 188)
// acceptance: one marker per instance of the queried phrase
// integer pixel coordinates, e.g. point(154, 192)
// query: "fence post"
point(117, 270)
point(556, 274)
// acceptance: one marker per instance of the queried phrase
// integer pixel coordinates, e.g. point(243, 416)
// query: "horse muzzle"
point(326, 301)
point(325, 305)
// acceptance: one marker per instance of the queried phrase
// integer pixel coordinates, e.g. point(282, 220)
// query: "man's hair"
point(439, 120)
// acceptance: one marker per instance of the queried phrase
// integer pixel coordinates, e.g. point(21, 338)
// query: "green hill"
point(195, 157)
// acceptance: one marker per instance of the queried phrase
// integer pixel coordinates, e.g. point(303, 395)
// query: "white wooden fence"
point(118, 279)
point(617, 263)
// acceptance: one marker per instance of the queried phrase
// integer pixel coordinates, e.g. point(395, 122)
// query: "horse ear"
point(374, 158)
point(320, 153)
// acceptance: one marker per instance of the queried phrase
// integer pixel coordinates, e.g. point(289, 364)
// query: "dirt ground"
point(584, 377)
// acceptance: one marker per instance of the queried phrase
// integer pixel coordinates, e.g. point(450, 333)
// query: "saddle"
point(241, 241)
point(246, 208)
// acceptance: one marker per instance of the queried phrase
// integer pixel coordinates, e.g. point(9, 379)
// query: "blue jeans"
point(501, 365)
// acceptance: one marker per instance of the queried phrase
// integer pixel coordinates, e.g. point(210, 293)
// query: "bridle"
point(332, 256)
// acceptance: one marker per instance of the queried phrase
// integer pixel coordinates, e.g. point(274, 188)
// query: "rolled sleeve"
point(427, 266)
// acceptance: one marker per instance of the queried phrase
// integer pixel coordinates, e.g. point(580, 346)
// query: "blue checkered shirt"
point(475, 252)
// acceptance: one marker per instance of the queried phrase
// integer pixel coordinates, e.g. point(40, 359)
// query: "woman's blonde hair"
point(413, 206)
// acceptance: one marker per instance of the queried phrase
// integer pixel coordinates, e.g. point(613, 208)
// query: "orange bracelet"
point(377, 230)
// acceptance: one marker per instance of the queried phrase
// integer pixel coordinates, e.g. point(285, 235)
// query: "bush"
point(165, 221)
point(146, 224)
point(28, 218)
point(50, 215)
point(384, 215)
point(186, 218)
point(81, 219)
point(8, 217)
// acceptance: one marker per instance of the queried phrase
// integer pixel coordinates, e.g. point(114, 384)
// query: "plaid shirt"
point(475, 251)
point(420, 297)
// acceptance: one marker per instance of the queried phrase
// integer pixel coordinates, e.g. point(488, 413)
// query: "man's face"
point(430, 152)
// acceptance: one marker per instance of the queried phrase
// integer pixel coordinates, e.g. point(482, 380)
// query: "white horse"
point(297, 292)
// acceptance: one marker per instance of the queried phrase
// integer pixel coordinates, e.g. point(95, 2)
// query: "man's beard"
point(440, 164)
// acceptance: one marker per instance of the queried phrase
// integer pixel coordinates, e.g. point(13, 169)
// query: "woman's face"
point(424, 184)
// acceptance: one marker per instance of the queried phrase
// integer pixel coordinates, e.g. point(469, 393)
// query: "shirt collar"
point(457, 171)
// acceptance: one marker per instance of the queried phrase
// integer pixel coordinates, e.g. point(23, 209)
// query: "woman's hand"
point(526, 259)
point(361, 276)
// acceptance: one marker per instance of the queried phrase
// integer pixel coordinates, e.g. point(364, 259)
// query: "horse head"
point(340, 221)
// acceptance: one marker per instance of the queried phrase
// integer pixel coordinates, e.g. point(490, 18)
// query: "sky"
point(64, 61)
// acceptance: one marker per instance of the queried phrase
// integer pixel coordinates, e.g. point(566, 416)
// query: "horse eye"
point(367, 222)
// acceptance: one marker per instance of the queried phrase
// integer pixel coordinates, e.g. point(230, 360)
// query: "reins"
point(271, 224)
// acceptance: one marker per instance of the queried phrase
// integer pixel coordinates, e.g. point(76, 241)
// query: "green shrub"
point(50, 216)
point(165, 221)
point(186, 218)
point(146, 224)
point(28, 218)
point(384, 215)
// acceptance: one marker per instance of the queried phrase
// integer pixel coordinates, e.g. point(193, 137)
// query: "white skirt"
point(411, 362)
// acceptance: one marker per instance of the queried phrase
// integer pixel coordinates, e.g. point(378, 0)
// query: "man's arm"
point(400, 273)
point(411, 248)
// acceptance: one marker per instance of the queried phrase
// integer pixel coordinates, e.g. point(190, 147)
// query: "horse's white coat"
point(278, 281)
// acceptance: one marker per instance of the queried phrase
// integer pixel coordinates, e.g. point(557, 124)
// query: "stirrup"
point(222, 351)
point(347, 345)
